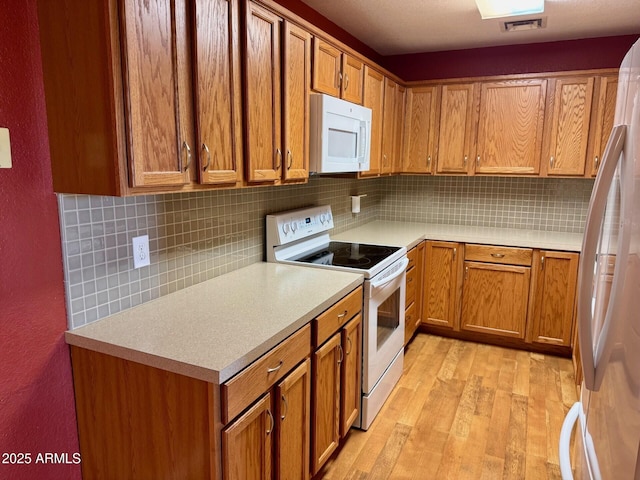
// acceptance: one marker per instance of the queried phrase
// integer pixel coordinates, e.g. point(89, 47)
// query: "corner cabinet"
point(120, 82)
point(414, 282)
point(604, 110)
point(443, 264)
point(421, 129)
point(276, 128)
point(373, 93)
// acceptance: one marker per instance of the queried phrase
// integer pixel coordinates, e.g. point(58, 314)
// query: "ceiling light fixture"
point(508, 8)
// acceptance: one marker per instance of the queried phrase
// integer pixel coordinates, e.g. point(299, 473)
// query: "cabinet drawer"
point(412, 255)
point(505, 255)
point(243, 389)
point(412, 283)
point(327, 323)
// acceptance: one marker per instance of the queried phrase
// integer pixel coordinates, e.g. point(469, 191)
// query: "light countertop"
point(214, 329)
point(410, 234)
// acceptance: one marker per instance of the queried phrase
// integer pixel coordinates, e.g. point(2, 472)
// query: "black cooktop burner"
point(354, 255)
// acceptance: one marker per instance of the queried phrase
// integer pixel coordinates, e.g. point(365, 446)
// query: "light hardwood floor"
point(464, 410)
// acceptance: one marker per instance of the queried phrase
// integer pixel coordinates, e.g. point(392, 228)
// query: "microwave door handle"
point(363, 141)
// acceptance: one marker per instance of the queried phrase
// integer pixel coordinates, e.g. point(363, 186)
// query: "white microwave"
point(340, 135)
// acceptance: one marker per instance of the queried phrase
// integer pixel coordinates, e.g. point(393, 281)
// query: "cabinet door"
point(401, 96)
point(351, 374)
point(246, 444)
point(555, 292)
point(217, 92)
point(510, 127)
point(388, 124)
point(352, 77)
point(326, 68)
point(421, 129)
point(296, 81)
point(293, 417)
point(262, 89)
point(325, 423)
point(441, 285)
point(495, 299)
point(456, 139)
point(602, 121)
point(157, 81)
point(569, 126)
point(374, 99)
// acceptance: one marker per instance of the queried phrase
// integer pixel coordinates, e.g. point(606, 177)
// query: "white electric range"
point(301, 237)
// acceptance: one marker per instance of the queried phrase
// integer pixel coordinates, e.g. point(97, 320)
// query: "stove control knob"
point(323, 218)
point(285, 228)
point(294, 227)
point(328, 216)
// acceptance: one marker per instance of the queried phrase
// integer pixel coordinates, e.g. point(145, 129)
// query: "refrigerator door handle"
point(564, 456)
point(595, 217)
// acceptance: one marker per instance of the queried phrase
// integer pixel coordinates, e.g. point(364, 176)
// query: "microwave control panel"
point(294, 225)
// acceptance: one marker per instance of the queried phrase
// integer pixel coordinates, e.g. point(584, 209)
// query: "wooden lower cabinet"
point(442, 283)
point(413, 309)
point(495, 299)
point(336, 398)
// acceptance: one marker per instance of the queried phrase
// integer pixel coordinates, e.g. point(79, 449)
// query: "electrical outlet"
point(141, 251)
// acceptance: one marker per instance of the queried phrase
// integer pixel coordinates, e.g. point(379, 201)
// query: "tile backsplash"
point(198, 236)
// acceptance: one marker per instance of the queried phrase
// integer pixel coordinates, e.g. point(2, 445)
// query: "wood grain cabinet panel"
point(495, 299)
point(442, 265)
point(413, 309)
point(458, 120)
point(421, 129)
point(388, 126)
point(351, 372)
point(510, 128)
point(569, 125)
point(398, 129)
point(247, 443)
point(374, 99)
point(602, 120)
point(551, 321)
point(217, 92)
point(352, 77)
point(293, 417)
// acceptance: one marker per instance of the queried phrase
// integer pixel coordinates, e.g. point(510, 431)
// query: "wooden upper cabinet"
point(296, 82)
point(554, 293)
point(511, 126)
point(442, 276)
point(352, 76)
point(374, 99)
point(388, 126)
point(568, 130)
point(262, 118)
point(421, 129)
point(217, 92)
point(456, 139)
point(601, 120)
point(398, 150)
point(336, 73)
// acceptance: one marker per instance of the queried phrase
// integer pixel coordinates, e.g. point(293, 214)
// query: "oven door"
point(384, 306)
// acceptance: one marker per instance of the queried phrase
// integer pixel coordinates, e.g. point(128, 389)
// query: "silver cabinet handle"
point(478, 161)
point(410, 279)
point(466, 272)
point(270, 429)
point(279, 155)
point(542, 262)
point(206, 149)
point(346, 82)
point(596, 163)
point(276, 368)
point(289, 159)
point(455, 252)
point(384, 159)
point(339, 79)
point(350, 345)
point(342, 315)
point(186, 146)
point(286, 407)
point(466, 159)
point(497, 255)
point(341, 355)
point(552, 162)
point(429, 161)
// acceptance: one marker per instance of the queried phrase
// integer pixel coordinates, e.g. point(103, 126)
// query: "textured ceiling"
point(409, 26)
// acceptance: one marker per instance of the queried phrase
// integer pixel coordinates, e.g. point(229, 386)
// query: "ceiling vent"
point(522, 25)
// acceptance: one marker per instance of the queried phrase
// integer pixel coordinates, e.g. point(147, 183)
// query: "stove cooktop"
point(344, 254)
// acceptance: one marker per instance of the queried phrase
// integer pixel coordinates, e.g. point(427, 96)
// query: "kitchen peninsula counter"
point(212, 330)
point(407, 234)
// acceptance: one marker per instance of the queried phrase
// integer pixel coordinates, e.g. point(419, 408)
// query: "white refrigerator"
point(605, 423)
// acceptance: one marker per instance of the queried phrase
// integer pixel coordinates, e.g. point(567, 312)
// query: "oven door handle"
point(402, 266)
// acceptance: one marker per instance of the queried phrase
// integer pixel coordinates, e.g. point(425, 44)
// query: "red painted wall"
point(584, 54)
point(37, 411)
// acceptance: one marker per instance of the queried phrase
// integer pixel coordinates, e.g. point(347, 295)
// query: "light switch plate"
point(5, 148)
point(141, 251)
